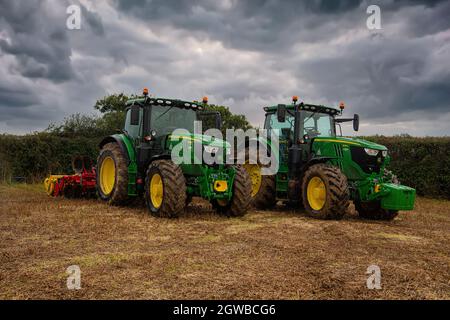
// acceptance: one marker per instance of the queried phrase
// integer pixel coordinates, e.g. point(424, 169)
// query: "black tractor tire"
point(173, 189)
point(119, 193)
point(241, 199)
point(373, 211)
point(265, 198)
point(337, 196)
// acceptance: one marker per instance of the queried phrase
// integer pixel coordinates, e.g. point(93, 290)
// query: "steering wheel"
point(311, 131)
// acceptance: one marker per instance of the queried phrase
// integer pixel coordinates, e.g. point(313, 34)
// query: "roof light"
point(205, 99)
point(342, 105)
point(145, 92)
point(295, 99)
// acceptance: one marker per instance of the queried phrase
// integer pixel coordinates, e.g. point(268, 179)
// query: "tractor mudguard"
point(117, 138)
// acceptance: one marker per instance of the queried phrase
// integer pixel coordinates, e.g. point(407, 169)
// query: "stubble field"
point(124, 253)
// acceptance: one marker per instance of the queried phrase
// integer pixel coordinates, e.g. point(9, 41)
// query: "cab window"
point(133, 128)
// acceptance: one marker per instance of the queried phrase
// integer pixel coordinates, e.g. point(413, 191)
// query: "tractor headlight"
point(211, 149)
point(371, 152)
point(384, 153)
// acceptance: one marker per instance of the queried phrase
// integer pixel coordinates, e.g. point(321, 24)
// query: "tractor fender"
point(159, 157)
point(116, 139)
point(317, 160)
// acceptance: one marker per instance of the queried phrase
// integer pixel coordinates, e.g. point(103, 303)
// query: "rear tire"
point(114, 190)
point(373, 211)
point(165, 189)
point(263, 187)
point(266, 197)
point(241, 199)
point(325, 192)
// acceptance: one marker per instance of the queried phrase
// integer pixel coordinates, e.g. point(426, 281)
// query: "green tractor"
point(324, 171)
point(139, 162)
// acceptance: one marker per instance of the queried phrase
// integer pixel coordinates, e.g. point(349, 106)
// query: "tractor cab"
point(159, 117)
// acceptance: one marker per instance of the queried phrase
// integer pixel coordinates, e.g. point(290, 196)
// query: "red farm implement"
point(80, 184)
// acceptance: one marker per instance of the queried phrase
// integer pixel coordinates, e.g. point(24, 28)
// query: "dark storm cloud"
point(242, 53)
point(431, 20)
point(383, 76)
point(252, 25)
point(12, 97)
point(36, 40)
point(271, 25)
point(93, 20)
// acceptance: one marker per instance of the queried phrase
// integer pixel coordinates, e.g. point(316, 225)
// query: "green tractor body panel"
point(366, 174)
point(201, 177)
point(397, 197)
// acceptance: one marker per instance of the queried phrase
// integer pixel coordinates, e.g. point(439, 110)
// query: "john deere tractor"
point(139, 162)
point(324, 171)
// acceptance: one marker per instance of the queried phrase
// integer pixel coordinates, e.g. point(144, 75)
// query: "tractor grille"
point(367, 163)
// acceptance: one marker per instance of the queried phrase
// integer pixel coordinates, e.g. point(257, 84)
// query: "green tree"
point(113, 109)
point(112, 103)
point(230, 120)
point(76, 125)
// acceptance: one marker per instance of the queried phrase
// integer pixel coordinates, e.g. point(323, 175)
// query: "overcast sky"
point(243, 54)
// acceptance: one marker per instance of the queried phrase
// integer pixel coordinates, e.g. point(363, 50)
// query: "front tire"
point(263, 187)
point(241, 199)
point(165, 189)
point(112, 175)
point(373, 211)
point(325, 192)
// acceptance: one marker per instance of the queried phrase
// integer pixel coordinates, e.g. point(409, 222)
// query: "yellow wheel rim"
point(156, 190)
point(254, 171)
point(107, 175)
point(316, 193)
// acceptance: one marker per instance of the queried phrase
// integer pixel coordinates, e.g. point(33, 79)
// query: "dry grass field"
point(124, 253)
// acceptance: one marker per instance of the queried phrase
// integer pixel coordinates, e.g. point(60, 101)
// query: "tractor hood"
point(352, 142)
point(200, 138)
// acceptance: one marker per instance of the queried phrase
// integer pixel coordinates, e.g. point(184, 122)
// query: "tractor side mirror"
point(281, 113)
point(134, 116)
point(356, 122)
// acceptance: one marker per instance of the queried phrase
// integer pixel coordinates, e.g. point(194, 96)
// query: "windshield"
point(314, 125)
point(318, 124)
point(286, 128)
point(164, 120)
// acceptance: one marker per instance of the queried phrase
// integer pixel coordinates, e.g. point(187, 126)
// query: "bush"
point(34, 156)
